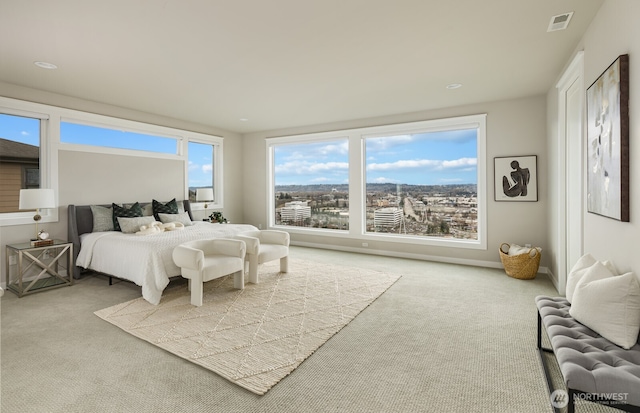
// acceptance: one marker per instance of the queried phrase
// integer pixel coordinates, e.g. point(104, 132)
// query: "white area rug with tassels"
point(257, 336)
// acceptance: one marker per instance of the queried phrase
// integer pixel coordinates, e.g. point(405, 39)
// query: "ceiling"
point(286, 63)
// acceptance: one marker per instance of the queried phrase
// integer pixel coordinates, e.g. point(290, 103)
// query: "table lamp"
point(37, 199)
point(204, 195)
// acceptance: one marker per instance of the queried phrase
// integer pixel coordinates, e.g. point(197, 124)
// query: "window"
point(423, 184)
point(31, 135)
point(19, 158)
point(201, 168)
point(76, 133)
point(201, 153)
point(420, 182)
point(312, 184)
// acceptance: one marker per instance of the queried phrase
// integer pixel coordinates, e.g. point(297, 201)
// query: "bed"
point(143, 259)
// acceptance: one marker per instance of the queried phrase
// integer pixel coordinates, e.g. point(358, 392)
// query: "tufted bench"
point(593, 368)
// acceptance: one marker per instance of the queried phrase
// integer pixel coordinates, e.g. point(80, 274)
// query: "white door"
point(570, 164)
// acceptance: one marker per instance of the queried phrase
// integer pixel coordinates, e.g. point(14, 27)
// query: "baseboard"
point(553, 279)
point(423, 257)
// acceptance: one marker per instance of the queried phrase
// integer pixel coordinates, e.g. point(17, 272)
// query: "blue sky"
point(437, 158)
point(26, 130)
point(19, 129)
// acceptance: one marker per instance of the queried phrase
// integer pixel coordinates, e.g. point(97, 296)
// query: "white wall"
point(86, 178)
point(515, 127)
point(614, 31)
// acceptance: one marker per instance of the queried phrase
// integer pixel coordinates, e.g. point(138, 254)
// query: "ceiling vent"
point(559, 22)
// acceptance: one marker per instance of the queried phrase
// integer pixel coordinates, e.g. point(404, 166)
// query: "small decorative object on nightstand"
point(216, 217)
point(38, 267)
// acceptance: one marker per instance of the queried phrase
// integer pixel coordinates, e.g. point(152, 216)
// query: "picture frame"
point(516, 178)
point(608, 142)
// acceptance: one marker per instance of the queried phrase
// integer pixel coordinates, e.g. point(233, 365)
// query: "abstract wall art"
point(516, 178)
point(608, 142)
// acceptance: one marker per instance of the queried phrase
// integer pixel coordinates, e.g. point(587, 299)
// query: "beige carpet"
point(256, 336)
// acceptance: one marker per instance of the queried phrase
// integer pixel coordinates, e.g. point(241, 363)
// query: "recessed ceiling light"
point(244, 120)
point(45, 65)
point(454, 86)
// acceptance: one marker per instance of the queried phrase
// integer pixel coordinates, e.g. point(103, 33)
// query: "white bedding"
point(146, 260)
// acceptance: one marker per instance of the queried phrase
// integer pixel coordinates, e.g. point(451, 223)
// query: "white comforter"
point(146, 260)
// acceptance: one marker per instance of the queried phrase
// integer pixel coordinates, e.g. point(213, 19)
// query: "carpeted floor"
point(443, 338)
point(256, 336)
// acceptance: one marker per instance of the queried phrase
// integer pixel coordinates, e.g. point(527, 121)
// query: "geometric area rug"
point(256, 336)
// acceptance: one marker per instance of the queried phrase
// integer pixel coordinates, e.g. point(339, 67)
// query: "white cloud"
point(434, 165)
point(307, 168)
point(383, 180)
point(315, 151)
point(208, 168)
point(24, 133)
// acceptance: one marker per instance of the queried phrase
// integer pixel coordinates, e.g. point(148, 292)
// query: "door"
point(574, 173)
point(570, 188)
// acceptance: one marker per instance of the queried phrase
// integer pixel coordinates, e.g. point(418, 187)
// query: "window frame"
point(48, 160)
point(182, 137)
point(357, 175)
point(50, 144)
point(218, 192)
point(293, 140)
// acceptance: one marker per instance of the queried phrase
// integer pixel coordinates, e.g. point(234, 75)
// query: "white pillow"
point(181, 217)
point(608, 304)
point(579, 269)
point(131, 225)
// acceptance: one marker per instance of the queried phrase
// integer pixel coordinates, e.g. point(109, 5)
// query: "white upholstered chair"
point(264, 246)
point(205, 260)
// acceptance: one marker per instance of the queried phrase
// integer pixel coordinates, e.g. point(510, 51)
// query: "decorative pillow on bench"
point(579, 270)
point(608, 304)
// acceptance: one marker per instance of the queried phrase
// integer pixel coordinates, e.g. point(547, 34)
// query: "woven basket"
point(522, 266)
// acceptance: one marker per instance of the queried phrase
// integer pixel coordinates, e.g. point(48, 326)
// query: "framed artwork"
point(516, 178)
point(608, 142)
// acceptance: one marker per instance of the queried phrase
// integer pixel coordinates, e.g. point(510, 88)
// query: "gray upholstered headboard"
point(81, 222)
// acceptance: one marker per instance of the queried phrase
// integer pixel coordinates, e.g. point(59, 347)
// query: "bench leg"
point(539, 331)
point(253, 269)
point(571, 407)
point(238, 280)
point(196, 291)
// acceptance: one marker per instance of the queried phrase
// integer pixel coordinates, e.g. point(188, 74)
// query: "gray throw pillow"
point(102, 218)
point(131, 225)
point(182, 217)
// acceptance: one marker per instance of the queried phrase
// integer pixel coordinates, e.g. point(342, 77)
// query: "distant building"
point(19, 169)
point(387, 217)
point(295, 211)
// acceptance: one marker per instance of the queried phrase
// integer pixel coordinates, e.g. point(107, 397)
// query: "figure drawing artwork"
point(608, 142)
point(516, 178)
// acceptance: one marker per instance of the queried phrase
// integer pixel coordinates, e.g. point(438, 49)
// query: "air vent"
point(559, 22)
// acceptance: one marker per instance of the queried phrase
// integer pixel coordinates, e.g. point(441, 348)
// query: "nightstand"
point(38, 268)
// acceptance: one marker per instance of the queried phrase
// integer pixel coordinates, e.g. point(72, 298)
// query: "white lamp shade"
point(204, 194)
point(37, 198)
